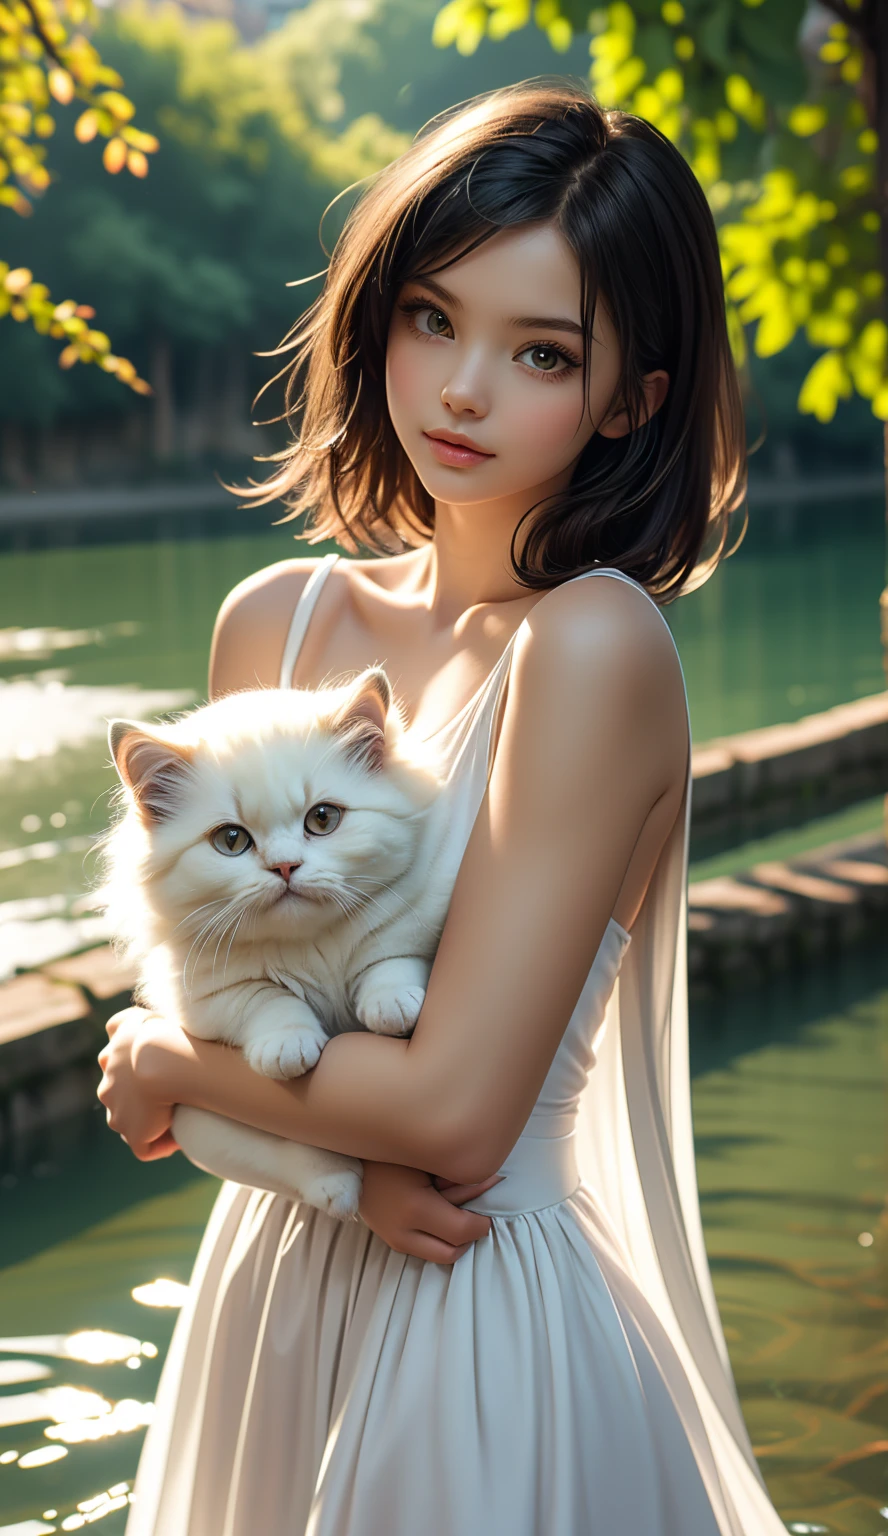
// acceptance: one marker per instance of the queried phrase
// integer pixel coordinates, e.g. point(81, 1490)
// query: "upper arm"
point(594, 732)
point(252, 625)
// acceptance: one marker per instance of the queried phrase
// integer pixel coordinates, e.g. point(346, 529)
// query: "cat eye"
point(322, 819)
point(231, 839)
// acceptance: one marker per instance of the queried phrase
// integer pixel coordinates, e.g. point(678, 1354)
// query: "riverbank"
point(91, 508)
point(741, 929)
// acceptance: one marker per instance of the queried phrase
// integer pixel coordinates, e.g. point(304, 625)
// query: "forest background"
point(187, 267)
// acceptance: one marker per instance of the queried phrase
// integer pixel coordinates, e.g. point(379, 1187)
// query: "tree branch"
point(47, 45)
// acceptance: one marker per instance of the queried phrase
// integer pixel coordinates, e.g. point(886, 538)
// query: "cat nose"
point(285, 870)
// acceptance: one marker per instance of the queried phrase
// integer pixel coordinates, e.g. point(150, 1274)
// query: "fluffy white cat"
point(279, 875)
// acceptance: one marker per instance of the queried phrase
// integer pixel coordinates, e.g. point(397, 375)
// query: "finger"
point(163, 1146)
point(424, 1245)
point(438, 1217)
point(458, 1194)
point(125, 1016)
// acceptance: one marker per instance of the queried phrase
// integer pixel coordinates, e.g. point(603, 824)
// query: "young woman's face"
point(490, 350)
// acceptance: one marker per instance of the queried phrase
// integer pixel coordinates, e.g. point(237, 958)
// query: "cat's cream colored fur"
point(307, 931)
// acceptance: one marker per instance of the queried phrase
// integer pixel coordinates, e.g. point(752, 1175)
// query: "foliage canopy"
point(762, 98)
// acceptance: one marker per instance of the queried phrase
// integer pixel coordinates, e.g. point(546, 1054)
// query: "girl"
point(518, 378)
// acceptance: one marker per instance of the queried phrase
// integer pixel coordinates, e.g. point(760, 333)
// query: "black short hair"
point(656, 502)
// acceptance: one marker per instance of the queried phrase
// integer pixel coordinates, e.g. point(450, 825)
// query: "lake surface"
point(789, 625)
point(790, 1114)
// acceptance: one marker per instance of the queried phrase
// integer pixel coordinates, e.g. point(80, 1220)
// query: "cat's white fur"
point(241, 948)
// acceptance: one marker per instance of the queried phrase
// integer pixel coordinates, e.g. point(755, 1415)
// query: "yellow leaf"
point(873, 341)
point(775, 331)
point(137, 163)
point(61, 85)
point(560, 34)
point(806, 118)
point(837, 254)
point(44, 125)
point(68, 357)
point(852, 68)
point(825, 381)
point(114, 156)
point(18, 280)
point(86, 126)
point(139, 140)
point(855, 177)
point(119, 106)
point(670, 84)
point(828, 331)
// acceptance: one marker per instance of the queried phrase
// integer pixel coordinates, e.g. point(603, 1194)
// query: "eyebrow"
point(521, 322)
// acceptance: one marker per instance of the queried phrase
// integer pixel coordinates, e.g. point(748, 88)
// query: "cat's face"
point(272, 812)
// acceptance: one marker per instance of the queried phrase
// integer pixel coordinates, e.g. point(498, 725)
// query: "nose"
point(465, 390)
point(285, 870)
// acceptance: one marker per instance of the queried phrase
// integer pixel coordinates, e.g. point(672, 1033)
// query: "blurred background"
point(164, 174)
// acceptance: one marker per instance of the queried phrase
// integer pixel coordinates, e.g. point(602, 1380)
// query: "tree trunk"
point(162, 382)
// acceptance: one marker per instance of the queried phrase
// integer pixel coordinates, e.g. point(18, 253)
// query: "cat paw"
point(336, 1193)
point(389, 1013)
point(286, 1054)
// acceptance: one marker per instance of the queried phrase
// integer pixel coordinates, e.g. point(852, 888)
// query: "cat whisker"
point(230, 942)
point(205, 934)
point(189, 916)
point(397, 895)
point(235, 920)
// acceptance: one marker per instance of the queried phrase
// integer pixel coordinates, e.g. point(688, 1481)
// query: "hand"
point(131, 1107)
point(404, 1207)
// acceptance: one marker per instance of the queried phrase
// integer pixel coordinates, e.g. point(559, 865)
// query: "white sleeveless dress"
point(567, 1376)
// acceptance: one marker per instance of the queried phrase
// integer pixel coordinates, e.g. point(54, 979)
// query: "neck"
point(468, 562)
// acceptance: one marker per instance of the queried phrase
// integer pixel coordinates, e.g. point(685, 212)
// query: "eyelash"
point(413, 307)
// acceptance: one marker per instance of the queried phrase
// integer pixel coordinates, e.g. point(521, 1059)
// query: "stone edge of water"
point(741, 928)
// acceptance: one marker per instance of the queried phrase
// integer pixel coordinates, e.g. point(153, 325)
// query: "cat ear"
point(151, 766)
point(361, 719)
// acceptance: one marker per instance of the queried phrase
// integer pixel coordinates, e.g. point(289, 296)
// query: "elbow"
point(463, 1152)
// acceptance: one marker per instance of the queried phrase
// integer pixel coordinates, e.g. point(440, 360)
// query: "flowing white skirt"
point(320, 1384)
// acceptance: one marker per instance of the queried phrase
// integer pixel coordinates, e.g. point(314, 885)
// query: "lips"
point(456, 453)
point(458, 442)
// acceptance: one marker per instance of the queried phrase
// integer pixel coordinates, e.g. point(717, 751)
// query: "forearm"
point(367, 1096)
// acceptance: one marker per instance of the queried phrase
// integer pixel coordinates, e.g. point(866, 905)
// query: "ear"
point(362, 717)
point(616, 422)
point(150, 765)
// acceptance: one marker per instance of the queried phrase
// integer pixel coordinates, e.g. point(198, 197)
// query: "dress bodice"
point(542, 1168)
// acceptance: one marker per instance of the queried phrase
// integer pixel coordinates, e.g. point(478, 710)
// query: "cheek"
point(202, 875)
point(544, 425)
point(404, 380)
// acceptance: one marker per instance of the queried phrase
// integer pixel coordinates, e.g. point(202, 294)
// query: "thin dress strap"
point(301, 615)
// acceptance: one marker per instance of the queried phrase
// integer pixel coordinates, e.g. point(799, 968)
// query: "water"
point(789, 1091)
point(790, 1114)
point(787, 626)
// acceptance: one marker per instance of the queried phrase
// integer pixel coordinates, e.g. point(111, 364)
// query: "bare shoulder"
point(596, 654)
point(254, 619)
point(251, 626)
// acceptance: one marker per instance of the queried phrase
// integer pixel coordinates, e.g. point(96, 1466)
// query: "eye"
point(436, 323)
point(545, 359)
point(231, 840)
point(322, 819)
